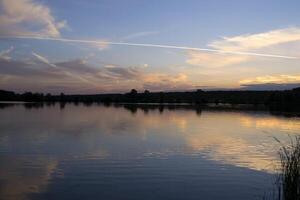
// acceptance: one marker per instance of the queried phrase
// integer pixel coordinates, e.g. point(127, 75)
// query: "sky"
point(105, 46)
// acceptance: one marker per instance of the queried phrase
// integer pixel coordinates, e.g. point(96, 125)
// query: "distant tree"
point(131, 96)
point(133, 92)
point(48, 97)
point(62, 97)
point(145, 97)
point(161, 97)
point(27, 96)
point(7, 95)
point(217, 101)
point(199, 91)
point(296, 89)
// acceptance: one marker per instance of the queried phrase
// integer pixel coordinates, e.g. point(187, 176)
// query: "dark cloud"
point(26, 69)
point(108, 72)
point(122, 73)
point(70, 76)
point(76, 76)
point(17, 68)
point(9, 67)
point(78, 66)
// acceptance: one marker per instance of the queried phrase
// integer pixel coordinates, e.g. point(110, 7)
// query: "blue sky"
point(229, 27)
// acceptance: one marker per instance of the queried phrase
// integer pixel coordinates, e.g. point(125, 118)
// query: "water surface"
point(128, 152)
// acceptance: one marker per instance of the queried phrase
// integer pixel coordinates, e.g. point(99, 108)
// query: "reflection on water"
point(137, 152)
point(22, 175)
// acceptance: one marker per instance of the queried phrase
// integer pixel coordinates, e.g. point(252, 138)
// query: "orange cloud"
point(283, 79)
point(214, 59)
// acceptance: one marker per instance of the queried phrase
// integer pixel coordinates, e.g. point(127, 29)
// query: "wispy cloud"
point(121, 72)
point(28, 17)
point(257, 41)
point(243, 47)
point(5, 53)
point(166, 82)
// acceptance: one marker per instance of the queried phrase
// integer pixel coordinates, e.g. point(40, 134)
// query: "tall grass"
point(287, 185)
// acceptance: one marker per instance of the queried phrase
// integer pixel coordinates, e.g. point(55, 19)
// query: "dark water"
point(100, 152)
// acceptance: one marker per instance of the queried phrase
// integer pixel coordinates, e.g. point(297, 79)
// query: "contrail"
point(152, 45)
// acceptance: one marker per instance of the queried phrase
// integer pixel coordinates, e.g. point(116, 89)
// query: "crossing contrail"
point(152, 45)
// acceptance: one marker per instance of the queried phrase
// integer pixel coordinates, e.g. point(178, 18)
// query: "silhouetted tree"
point(62, 97)
point(288, 100)
point(133, 92)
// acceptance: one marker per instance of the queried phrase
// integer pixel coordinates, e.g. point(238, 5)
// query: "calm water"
point(98, 152)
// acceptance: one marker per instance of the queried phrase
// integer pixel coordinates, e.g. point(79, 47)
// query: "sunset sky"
point(101, 46)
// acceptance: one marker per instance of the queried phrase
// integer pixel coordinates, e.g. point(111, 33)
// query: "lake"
point(138, 152)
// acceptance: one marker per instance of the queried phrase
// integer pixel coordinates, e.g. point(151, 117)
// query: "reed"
point(287, 184)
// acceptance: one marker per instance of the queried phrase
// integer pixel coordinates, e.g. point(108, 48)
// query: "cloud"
point(77, 66)
point(155, 77)
point(28, 17)
point(13, 67)
point(42, 70)
point(213, 59)
point(243, 47)
point(5, 53)
point(30, 69)
point(115, 77)
point(166, 82)
point(257, 41)
point(39, 74)
point(282, 79)
point(121, 72)
point(64, 68)
point(106, 73)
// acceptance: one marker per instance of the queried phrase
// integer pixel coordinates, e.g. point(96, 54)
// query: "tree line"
point(276, 99)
